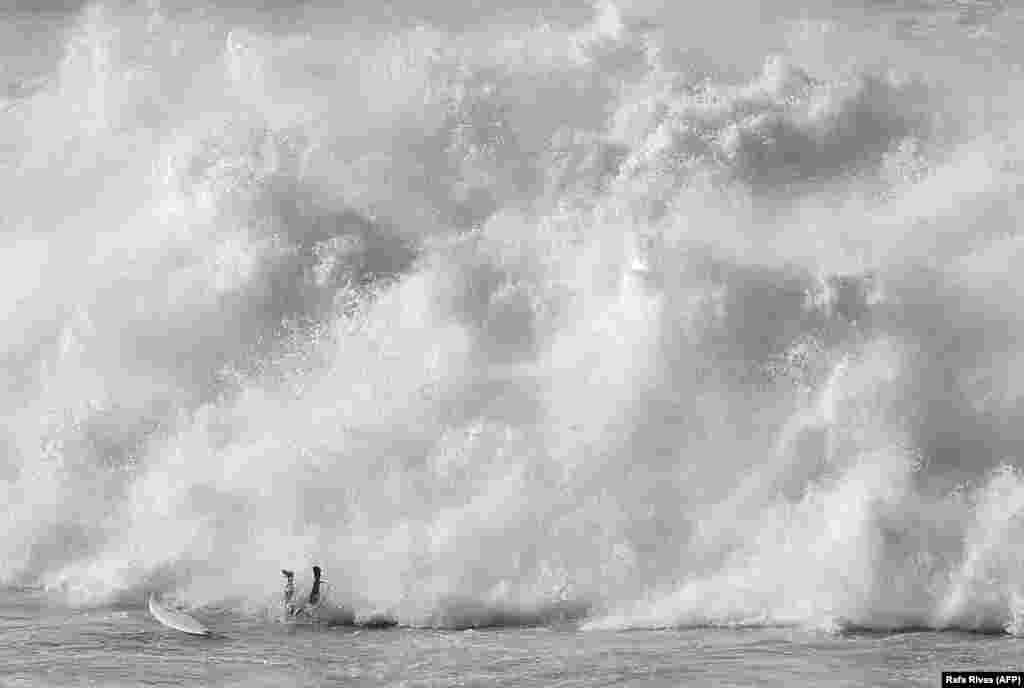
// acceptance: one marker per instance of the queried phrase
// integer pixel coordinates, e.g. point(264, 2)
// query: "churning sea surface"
point(581, 343)
point(47, 645)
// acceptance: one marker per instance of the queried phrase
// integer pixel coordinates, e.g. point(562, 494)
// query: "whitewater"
point(655, 343)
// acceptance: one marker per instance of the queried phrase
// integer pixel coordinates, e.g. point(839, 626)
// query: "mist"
point(503, 315)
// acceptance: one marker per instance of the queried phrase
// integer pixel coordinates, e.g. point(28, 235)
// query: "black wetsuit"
point(314, 594)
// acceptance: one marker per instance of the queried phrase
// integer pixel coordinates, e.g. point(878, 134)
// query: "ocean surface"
point(54, 646)
point(581, 343)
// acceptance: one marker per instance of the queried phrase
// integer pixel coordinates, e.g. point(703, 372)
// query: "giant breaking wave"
point(652, 316)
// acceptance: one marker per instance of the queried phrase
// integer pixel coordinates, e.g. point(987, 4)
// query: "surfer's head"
point(316, 572)
point(287, 574)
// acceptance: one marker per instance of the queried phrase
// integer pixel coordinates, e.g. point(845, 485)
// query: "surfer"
point(291, 606)
point(289, 591)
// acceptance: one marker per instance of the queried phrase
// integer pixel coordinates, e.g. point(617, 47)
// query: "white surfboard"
point(179, 621)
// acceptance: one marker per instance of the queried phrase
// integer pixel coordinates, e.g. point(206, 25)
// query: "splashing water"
point(506, 316)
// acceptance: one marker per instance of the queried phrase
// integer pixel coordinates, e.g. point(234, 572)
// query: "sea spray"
point(510, 319)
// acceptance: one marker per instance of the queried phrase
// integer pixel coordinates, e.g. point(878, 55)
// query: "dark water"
point(45, 645)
